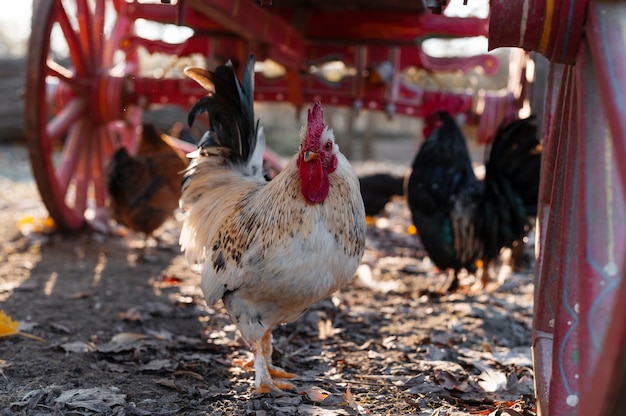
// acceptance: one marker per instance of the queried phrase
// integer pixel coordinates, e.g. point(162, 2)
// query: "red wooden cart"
point(80, 107)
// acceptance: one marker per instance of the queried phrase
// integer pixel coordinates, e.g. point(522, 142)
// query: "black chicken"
point(378, 189)
point(461, 219)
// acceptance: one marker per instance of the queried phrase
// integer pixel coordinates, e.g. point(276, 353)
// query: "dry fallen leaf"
point(326, 330)
point(353, 404)
point(78, 347)
point(81, 295)
point(157, 365)
point(167, 383)
point(316, 394)
point(505, 412)
point(4, 364)
point(100, 399)
point(29, 224)
point(171, 280)
point(192, 374)
point(126, 338)
point(132, 315)
point(123, 341)
point(9, 327)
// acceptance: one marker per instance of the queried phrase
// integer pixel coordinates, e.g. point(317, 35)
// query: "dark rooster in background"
point(461, 219)
point(378, 189)
point(144, 189)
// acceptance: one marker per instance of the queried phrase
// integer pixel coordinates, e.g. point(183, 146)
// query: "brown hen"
point(144, 189)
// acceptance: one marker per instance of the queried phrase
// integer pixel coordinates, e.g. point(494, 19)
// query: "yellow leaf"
point(25, 220)
point(29, 224)
point(7, 325)
point(411, 229)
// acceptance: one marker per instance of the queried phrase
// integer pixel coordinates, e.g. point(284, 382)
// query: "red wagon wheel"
point(77, 104)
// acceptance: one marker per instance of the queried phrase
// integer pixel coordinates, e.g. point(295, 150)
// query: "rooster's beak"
point(308, 156)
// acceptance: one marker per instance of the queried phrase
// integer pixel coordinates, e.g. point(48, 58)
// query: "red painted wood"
point(551, 27)
point(566, 199)
point(255, 24)
point(579, 330)
point(374, 27)
point(516, 23)
point(605, 306)
point(608, 49)
point(550, 238)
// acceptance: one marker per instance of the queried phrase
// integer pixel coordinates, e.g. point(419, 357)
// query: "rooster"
point(268, 249)
point(144, 189)
point(461, 219)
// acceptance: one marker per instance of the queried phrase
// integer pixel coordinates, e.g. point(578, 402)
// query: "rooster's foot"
point(280, 373)
point(274, 388)
point(273, 370)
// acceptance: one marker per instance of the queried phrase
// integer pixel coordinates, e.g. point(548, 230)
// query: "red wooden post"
point(603, 80)
point(551, 300)
point(579, 328)
point(545, 290)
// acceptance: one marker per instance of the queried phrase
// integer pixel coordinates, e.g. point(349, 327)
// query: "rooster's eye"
point(328, 146)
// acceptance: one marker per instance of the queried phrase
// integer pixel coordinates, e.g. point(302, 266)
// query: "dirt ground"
point(126, 336)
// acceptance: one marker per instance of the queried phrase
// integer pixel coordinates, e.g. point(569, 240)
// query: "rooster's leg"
point(454, 284)
point(145, 254)
point(273, 370)
point(264, 370)
point(484, 275)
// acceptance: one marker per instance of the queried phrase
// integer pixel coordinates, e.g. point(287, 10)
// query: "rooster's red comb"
point(315, 120)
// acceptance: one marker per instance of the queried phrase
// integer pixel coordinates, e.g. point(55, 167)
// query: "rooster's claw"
point(276, 389)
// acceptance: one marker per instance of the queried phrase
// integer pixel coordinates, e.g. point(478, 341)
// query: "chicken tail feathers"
point(230, 108)
point(512, 180)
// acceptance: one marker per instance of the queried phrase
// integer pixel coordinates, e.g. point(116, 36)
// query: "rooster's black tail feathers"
point(515, 157)
point(230, 107)
point(511, 183)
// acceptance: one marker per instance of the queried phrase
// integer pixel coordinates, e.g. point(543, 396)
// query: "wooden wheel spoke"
point(84, 18)
point(104, 152)
point(98, 32)
point(122, 27)
point(73, 42)
point(57, 70)
point(61, 123)
point(81, 186)
point(87, 159)
point(130, 68)
point(69, 163)
point(81, 173)
point(109, 142)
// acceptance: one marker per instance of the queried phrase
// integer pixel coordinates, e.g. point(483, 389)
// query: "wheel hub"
point(110, 98)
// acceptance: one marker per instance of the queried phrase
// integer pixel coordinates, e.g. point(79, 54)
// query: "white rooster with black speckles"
point(269, 250)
